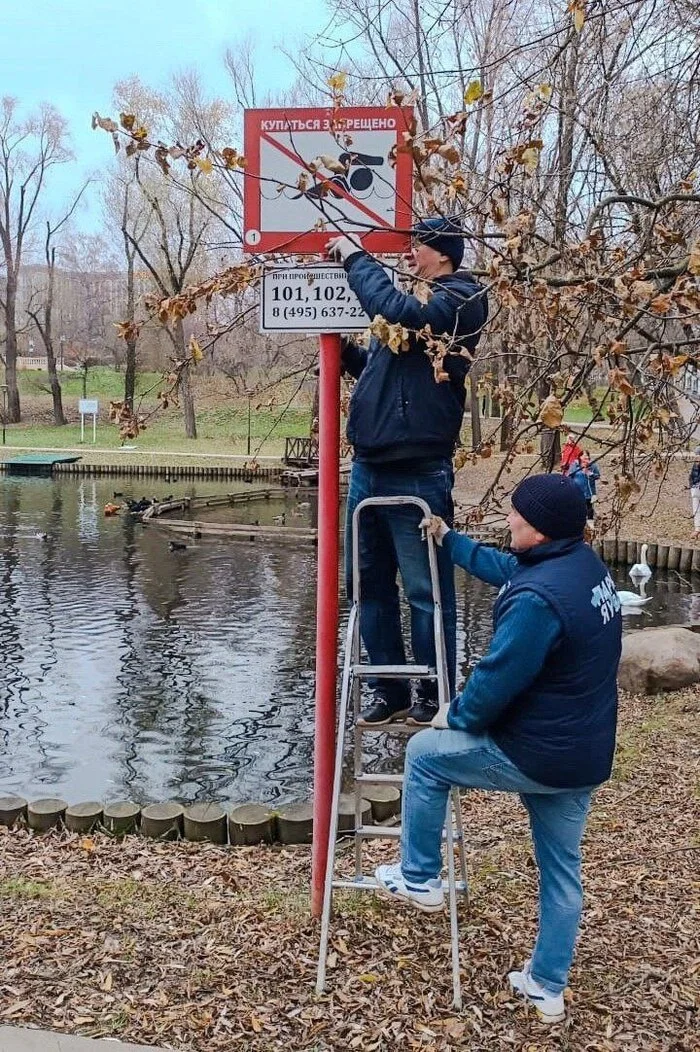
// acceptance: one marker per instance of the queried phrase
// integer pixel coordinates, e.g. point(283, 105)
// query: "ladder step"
point(379, 831)
point(370, 884)
point(395, 727)
point(394, 671)
point(380, 779)
point(394, 832)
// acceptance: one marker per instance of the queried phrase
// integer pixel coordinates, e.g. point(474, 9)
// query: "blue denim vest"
point(561, 730)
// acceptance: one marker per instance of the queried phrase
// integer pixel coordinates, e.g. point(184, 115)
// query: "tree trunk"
point(184, 383)
point(592, 398)
point(13, 407)
point(47, 336)
point(130, 369)
point(130, 373)
point(507, 431)
point(56, 394)
point(507, 418)
point(313, 429)
point(475, 411)
point(567, 128)
point(550, 450)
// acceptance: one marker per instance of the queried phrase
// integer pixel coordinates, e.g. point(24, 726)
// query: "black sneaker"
point(422, 712)
point(382, 711)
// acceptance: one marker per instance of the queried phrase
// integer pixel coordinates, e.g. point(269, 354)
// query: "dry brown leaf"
point(551, 412)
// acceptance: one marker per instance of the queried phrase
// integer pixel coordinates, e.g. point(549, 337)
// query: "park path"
point(20, 1040)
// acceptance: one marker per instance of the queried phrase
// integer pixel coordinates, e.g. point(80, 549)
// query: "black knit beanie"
point(444, 235)
point(553, 504)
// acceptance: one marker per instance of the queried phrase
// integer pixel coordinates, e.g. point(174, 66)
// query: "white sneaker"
point(549, 1007)
point(428, 897)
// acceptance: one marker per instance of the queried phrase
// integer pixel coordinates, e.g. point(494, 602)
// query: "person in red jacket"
point(572, 451)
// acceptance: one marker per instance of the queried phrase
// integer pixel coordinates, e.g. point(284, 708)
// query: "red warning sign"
point(313, 173)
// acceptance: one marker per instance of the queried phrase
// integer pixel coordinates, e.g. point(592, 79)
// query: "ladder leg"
point(459, 827)
point(333, 831)
point(452, 899)
point(357, 751)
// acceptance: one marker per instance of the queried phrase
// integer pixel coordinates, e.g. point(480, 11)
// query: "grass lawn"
point(102, 382)
point(222, 421)
point(578, 412)
point(219, 431)
point(222, 417)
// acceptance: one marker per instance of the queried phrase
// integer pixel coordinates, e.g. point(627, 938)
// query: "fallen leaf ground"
point(195, 947)
point(663, 509)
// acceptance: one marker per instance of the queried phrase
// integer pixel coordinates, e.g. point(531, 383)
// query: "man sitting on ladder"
point(537, 717)
point(404, 424)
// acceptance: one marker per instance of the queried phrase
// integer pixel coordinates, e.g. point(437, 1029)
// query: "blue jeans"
point(390, 541)
point(439, 759)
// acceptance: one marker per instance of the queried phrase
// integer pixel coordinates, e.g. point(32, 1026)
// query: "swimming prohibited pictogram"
point(313, 173)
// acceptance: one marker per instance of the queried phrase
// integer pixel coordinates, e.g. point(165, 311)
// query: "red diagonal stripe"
point(322, 179)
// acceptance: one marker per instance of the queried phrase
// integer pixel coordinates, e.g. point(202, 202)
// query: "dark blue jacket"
point(694, 479)
point(546, 692)
point(398, 411)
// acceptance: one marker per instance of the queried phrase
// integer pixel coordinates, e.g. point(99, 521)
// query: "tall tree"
point(177, 214)
point(42, 314)
point(29, 148)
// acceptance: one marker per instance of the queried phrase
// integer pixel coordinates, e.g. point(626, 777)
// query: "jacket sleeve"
point(456, 366)
point(377, 294)
point(488, 564)
point(352, 357)
point(527, 630)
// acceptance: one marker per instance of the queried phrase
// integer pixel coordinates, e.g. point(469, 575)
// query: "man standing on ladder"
point(537, 717)
point(404, 424)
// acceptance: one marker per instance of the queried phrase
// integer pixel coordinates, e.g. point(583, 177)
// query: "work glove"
point(435, 527)
point(439, 720)
point(340, 248)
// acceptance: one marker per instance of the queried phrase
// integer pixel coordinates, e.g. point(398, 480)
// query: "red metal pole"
point(326, 607)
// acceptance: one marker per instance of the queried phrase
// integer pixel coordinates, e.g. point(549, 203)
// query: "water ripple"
point(130, 670)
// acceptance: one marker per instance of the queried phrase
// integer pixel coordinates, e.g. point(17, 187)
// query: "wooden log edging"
point(241, 531)
point(661, 555)
point(235, 825)
point(172, 473)
point(196, 528)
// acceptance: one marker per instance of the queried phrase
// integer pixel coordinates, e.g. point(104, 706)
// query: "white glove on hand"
point(339, 248)
point(439, 720)
point(435, 527)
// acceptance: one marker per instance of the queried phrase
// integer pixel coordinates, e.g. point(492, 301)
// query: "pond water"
point(128, 670)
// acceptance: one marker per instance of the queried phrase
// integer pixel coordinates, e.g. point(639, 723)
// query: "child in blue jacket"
point(585, 474)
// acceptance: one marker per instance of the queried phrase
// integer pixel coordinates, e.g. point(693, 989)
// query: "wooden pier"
point(42, 464)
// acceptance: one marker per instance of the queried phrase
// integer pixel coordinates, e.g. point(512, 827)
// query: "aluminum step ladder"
point(354, 673)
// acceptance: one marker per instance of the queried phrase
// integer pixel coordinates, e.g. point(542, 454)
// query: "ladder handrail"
point(424, 507)
point(369, 502)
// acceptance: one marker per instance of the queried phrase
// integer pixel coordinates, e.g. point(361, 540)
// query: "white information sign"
point(317, 298)
point(88, 407)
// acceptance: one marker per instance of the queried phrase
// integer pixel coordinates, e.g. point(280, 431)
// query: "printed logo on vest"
point(605, 596)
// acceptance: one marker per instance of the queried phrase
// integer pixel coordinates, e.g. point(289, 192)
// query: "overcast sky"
point(71, 53)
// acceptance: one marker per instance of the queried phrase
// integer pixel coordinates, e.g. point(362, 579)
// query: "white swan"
point(641, 569)
point(631, 601)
